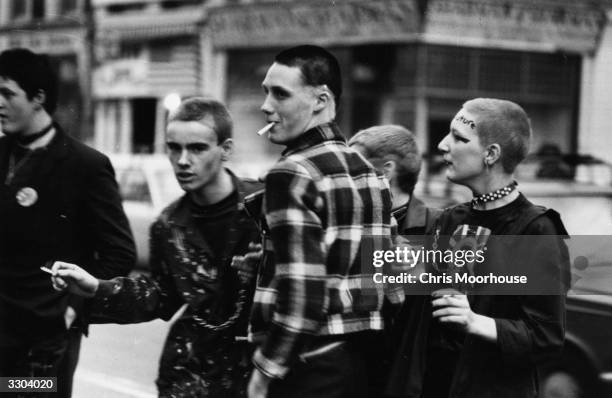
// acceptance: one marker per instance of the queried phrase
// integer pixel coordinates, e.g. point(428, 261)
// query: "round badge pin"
point(26, 197)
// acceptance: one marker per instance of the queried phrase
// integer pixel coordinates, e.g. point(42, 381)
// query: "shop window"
point(38, 9)
point(370, 74)
point(172, 4)
point(18, 9)
point(448, 67)
point(245, 76)
point(366, 112)
point(68, 6)
point(143, 124)
point(121, 8)
point(522, 76)
point(161, 52)
point(500, 71)
point(552, 74)
point(130, 50)
point(406, 66)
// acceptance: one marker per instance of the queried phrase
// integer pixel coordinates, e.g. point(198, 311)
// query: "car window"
point(133, 185)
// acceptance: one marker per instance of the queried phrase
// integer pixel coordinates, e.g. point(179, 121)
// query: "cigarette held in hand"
point(47, 270)
point(267, 128)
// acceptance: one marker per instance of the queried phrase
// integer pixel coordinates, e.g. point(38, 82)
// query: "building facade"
point(148, 57)
point(124, 63)
point(63, 29)
point(414, 62)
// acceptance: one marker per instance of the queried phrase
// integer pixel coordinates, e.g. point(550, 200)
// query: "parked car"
point(147, 185)
point(585, 367)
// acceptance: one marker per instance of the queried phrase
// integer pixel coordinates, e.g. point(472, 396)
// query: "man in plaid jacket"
point(316, 306)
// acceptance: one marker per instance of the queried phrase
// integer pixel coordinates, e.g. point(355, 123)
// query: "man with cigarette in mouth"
point(58, 201)
point(195, 244)
point(313, 314)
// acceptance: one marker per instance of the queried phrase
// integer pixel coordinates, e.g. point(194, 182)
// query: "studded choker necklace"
point(491, 196)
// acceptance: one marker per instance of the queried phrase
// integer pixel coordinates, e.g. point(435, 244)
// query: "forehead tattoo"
point(464, 120)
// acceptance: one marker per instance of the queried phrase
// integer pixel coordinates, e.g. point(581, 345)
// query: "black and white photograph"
point(305, 198)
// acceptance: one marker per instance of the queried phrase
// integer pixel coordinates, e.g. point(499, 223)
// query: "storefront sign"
point(127, 77)
point(328, 22)
point(47, 41)
point(570, 25)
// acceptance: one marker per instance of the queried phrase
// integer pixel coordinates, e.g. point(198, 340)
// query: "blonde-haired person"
point(196, 243)
point(487, 343)
point(392, 149)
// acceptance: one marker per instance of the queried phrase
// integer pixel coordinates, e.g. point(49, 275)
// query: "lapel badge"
point(26, 196)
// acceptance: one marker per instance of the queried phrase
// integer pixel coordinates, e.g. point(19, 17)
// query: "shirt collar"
point(417, 213)
point(316, 135)
point(413, 214)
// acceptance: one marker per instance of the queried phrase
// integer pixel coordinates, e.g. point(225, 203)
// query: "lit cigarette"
point(266, 129)
point(47, 270)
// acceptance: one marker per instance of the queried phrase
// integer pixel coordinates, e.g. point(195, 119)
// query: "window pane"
point(553, 75)
point(68, 6)
point(18, 8)
point(500, 72)
point(448, 67)
point(38, 9)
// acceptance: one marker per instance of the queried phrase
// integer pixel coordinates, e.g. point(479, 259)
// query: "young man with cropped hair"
point(315, 312)
point(195, 243)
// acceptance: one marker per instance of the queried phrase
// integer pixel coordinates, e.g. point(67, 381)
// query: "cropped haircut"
point(197, 109)
point(33, 73)
point(318, 67)
point(504, 123)
point(392, 142)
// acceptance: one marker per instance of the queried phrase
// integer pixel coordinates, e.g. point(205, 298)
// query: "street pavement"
point(120, 361)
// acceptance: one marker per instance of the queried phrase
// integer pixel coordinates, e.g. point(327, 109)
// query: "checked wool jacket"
point(325, 208)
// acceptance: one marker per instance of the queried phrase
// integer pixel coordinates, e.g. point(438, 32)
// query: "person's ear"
point(388, 169)
point(322, 98)
point(40, 98)
point(227, 148)
point(492, 154)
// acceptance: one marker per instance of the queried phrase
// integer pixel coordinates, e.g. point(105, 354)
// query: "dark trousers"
point(55, 356)
point(341, 372)
point(68, 363)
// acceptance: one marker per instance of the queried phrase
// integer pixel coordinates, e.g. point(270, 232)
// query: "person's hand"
point(452, 308)
point(73, 278)
point(246, 266)
point(258, 385)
